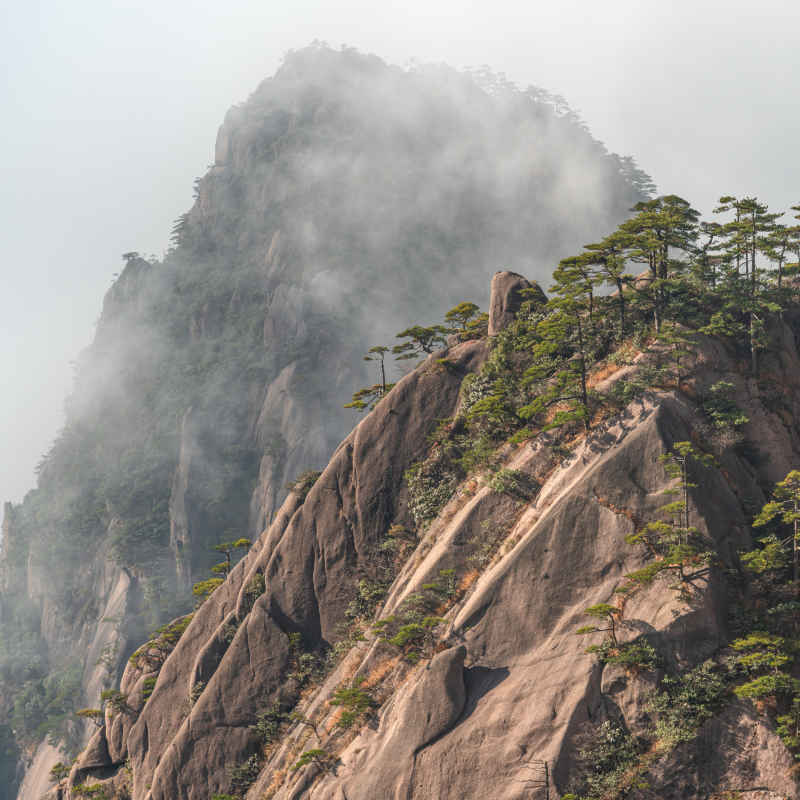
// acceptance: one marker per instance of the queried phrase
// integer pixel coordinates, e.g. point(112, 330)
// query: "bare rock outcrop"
point(506, 298)
point(309, 558)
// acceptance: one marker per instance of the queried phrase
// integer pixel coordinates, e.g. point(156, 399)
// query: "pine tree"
point(367, 398)
point(610, 258)
point(785, 504)
point(420, 341)
point(661, 226)
point(747, 235)
point(564, 347)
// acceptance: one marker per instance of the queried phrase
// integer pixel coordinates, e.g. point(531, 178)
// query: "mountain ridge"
point(215, 375)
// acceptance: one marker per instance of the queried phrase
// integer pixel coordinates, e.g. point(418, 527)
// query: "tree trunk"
point(584, 392)
point(795, 553)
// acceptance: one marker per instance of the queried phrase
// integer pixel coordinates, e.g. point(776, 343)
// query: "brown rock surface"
point(310, 559)
point(513, 685)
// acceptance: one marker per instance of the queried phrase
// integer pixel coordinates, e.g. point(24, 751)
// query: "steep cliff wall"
point(493, 686)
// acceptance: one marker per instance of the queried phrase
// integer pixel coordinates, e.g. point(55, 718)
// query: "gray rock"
point(506, 298)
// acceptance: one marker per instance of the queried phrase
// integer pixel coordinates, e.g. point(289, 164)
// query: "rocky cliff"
point(383, 641)
point(347, 199)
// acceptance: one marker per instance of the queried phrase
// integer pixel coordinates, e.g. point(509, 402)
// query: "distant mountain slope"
point(347, 199)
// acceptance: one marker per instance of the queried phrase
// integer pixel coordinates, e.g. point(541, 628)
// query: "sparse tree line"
point(662, 276)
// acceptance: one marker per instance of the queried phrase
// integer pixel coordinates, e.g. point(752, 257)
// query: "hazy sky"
point(110, 109)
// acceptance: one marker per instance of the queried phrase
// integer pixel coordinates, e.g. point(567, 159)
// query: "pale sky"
point(109, 110)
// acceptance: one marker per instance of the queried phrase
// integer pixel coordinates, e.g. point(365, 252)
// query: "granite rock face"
point(509, 685)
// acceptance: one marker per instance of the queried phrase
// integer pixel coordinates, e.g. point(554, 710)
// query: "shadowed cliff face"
point(347, 200)
point(504, 684)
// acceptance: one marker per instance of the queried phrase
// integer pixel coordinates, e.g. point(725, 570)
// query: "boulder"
point(507, 297)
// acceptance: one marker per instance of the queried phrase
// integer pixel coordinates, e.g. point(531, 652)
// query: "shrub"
point(58, 772)
point(412, 637)
point(95, 715)
point(204, 589)
point(96, 791)
point(430, 486)
point(513, 482)
point(635, 655)
point(321, 758)
point(686, 701)
point(268, 724)
point(304, 665)
point(302, 484)
point(789, 727)
point(115, 700)
point(606, 760)
point(369, 594)
point(256, 586)
point(354, 702)
point(720, 407)
point(244, 775)
point(196, 691)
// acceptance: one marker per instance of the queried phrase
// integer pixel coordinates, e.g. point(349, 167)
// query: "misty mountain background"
point(107, 109)
point(348, 199)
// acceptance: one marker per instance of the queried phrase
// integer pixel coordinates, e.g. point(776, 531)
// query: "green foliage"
point(369, 594)
point(608, 614)
point(152, 654)
point(421, 341)
point(465, 319)
point(513, 482)
point(788, 728)
point(268, 724)
point(395, 547)
point(196, 691)
point(304, 666)
point(148, 684)
point(256, 586)
point(412, 628)
point(674, 545)
point(684, 702)
point(115, 700)
point(95, 715)
point(202, 590)
point(44, 706)
point(244, 775)
point(95, 791)
point(58, 772)
point(414, 635)
point(721, 408)
point(319, 758)
point(431, 484)
point(354, 701)
point(771, 685)
point(636, 655)
point(770, 556)
point(368, 397)
point(302, 484)
point(604, 762)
